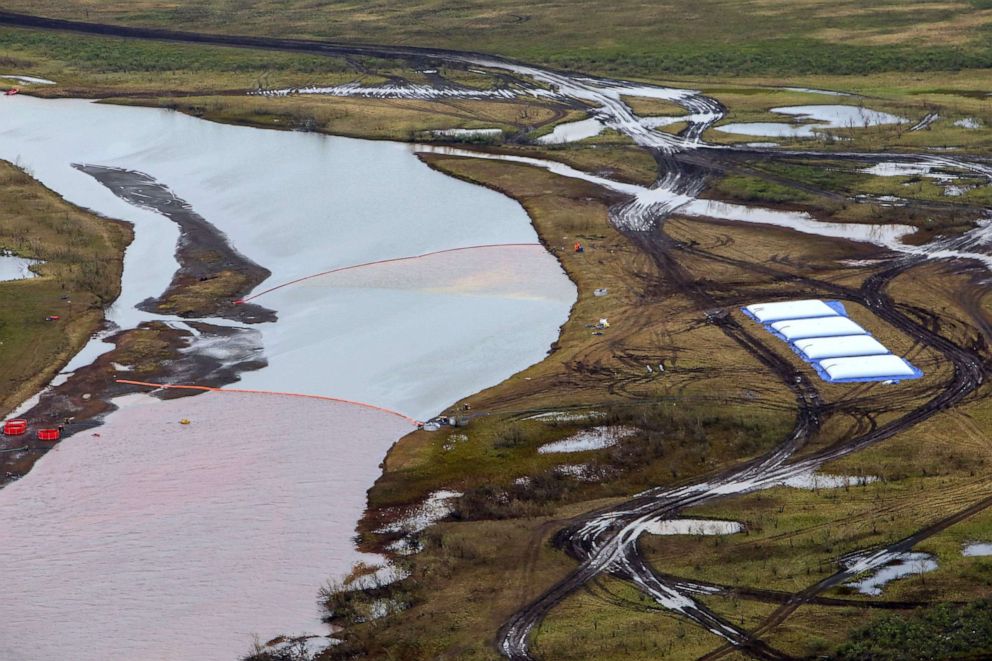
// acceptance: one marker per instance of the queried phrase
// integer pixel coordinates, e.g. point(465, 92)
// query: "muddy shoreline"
point(211, 276)
point(152, 352)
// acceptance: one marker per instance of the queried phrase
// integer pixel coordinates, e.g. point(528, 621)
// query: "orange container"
point(15, 427)
point(49, 434)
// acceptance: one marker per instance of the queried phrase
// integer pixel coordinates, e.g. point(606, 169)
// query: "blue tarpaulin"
point(821, 333)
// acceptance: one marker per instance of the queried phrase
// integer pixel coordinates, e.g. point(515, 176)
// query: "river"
point(156, 540)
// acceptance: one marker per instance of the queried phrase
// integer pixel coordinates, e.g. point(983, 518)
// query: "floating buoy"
point(49, 434)
point(184, 421)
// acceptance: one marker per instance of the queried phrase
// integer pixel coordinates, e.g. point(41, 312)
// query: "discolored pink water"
point(158, 540)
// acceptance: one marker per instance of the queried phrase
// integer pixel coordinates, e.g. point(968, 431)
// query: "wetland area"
point(314, 344)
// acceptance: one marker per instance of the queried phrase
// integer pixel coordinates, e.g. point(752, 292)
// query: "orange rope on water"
point(412, 421)
point(380, 261)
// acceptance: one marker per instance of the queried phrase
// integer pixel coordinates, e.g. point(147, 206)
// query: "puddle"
point(888, 236)
point(581, 472)
point(977, 549)
point(901, 565)
point(813, 481)
point(899, 169)
point(564, 416)
point(468, 133)
point(573, 132)
point(646, 92)
point(28, 80)
point(660, 121)
point(596, 438)
point(16, 268)
point(956, 191)
point(435, 508)
point(391, 91)
point(822, 118)
point(969, 123)
point(693, 527)
point(810, 90)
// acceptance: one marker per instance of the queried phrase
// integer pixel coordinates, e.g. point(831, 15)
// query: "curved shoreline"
point(204, 254)
point(110, 371)
point(660, 588)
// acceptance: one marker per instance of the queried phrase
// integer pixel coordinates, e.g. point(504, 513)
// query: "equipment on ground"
point(15, 427)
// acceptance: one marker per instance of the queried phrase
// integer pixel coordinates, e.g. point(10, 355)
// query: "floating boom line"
point(381, 261)
point(178, 386)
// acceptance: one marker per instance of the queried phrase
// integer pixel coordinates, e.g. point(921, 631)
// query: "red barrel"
point(15, 427)
point(49, 434)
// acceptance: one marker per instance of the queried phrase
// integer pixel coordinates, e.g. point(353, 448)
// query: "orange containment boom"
point(393, 260)
point(412, 421)
point(49, 434)
point(15, 427)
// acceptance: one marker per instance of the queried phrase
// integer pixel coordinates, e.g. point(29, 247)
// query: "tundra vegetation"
point(714, 404)
point(78, 275)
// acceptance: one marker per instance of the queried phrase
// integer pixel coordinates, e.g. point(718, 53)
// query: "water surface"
point(820, 118)
point(155, 541)
point(16, 268)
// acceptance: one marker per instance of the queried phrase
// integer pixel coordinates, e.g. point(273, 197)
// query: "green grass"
point(702, 37)
point(80, 275)
point(85, 64)
point(391, 119)
point(847, 177)
point(588, 626)
point(113, 55)
point(941, 632)
point(838, 176)
point(753, 189)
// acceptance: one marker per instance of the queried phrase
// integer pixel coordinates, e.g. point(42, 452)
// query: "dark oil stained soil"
point(213, 356)
point(212, 274)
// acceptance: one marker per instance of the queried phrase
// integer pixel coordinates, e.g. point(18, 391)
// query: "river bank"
point(679, 341)
point(78, 261)
point(409, 335)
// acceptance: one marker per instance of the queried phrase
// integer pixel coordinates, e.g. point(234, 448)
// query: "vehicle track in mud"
point(811, 594)
point(969, 373)
point(605, 541)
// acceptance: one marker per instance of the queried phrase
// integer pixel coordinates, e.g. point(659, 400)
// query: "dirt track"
point(605, 541)
point(268, 43)
point(605, 548)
